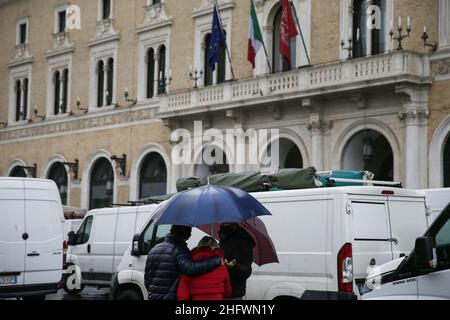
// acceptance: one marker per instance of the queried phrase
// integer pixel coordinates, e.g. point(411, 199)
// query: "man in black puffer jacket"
point(167, 261)
point(238, 246)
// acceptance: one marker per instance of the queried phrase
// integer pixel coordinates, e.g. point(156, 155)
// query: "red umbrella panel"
point(264, 252)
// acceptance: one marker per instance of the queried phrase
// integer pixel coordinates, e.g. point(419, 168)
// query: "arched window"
point(150, 73)
point(18, 172)
point(447, 164)
point(153, 177)
point(162, 70)
point(57, 87)
point(101, 185)
point(58, 174)
point(110, 84)
point(100, 83)
point(18, 89)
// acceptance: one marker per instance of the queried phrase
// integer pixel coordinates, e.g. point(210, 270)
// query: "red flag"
point(288, 30)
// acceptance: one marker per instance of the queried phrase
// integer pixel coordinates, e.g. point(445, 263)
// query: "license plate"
point(8, 280)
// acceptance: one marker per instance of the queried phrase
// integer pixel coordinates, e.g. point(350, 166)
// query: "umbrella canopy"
point(209, 205)
point(264, 252)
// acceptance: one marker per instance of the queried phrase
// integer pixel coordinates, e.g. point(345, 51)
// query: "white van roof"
point(369, 191)
point(121, 210)
point(14, 183)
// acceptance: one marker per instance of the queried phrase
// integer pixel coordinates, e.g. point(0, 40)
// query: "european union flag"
point(217, 39)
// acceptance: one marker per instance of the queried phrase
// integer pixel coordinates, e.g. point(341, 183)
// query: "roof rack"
point(371, 182)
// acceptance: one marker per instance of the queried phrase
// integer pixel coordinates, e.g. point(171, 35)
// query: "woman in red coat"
point(214, 285)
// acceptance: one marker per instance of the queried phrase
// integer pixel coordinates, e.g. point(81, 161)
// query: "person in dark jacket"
point(167, 261)
point(238, 246)
point(214, 285)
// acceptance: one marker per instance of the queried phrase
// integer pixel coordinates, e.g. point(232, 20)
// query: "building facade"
point(94, 107)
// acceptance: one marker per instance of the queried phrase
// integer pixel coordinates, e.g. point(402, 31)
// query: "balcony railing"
point(391, 68)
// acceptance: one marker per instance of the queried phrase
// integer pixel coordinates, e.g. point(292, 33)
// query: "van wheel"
point(71, 291)
point(129, 294)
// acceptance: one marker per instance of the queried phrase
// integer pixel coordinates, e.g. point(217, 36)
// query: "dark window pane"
point(65, 90)
point(110, 87)
point(208, 71)
point(221, 71)
point(100, 85)
point(106, 9)
point(25, 99)
point(62, 21)
point(58, 174)
point(150, 74)
point(162, 70)
point(57, 81)
point(359, 23)
point(23, 33)
point(18, 89)
point(18, 172)
point(102, 185)
point(153, 177)
point(447, 164)
point(379, 35)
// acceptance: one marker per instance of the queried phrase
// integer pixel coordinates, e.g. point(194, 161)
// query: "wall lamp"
point(30, 170)
point(79, 106)
point(73, 168)
point(37, 115)
point(121, 164)
point(127, 99)
point(425, 37)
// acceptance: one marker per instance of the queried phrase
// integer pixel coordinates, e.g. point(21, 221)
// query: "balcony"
point(392, 69)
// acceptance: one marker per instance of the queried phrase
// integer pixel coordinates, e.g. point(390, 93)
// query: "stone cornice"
point(81, 123)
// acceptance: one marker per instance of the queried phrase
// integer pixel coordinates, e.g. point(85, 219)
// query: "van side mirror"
point(72, 239)
point(136, 247)
point(424, 254)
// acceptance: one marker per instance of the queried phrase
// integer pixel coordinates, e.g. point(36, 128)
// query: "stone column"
point(414, 116)
point(318, 128)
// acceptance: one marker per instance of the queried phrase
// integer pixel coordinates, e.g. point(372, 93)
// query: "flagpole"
point(225, 39)
point(300, 30)
point(267, 57)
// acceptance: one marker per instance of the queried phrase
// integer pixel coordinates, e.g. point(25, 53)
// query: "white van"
point(31, 237)
point(438, 200)
point(100, 243)
point(326, 239)
point(423, 275)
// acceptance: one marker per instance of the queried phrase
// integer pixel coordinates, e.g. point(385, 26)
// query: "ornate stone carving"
point(414, 115)
point(60, 42)
point(22, 55)
point(80, 124)
point(441, 67)
point(319, 127)
point(155, 13)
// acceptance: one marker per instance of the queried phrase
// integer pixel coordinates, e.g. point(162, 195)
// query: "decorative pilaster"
point(414, 116)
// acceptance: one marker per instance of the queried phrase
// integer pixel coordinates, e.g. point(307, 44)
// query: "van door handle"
point(33, 254)
point(394, 240)
point(89, 248)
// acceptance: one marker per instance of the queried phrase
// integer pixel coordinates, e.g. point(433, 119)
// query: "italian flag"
point(255, 40)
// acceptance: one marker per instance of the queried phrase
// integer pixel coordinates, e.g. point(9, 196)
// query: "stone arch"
point(86, 177)
point(15, 163)
point(137, 166)
point(367, 124)
point(436, 158)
